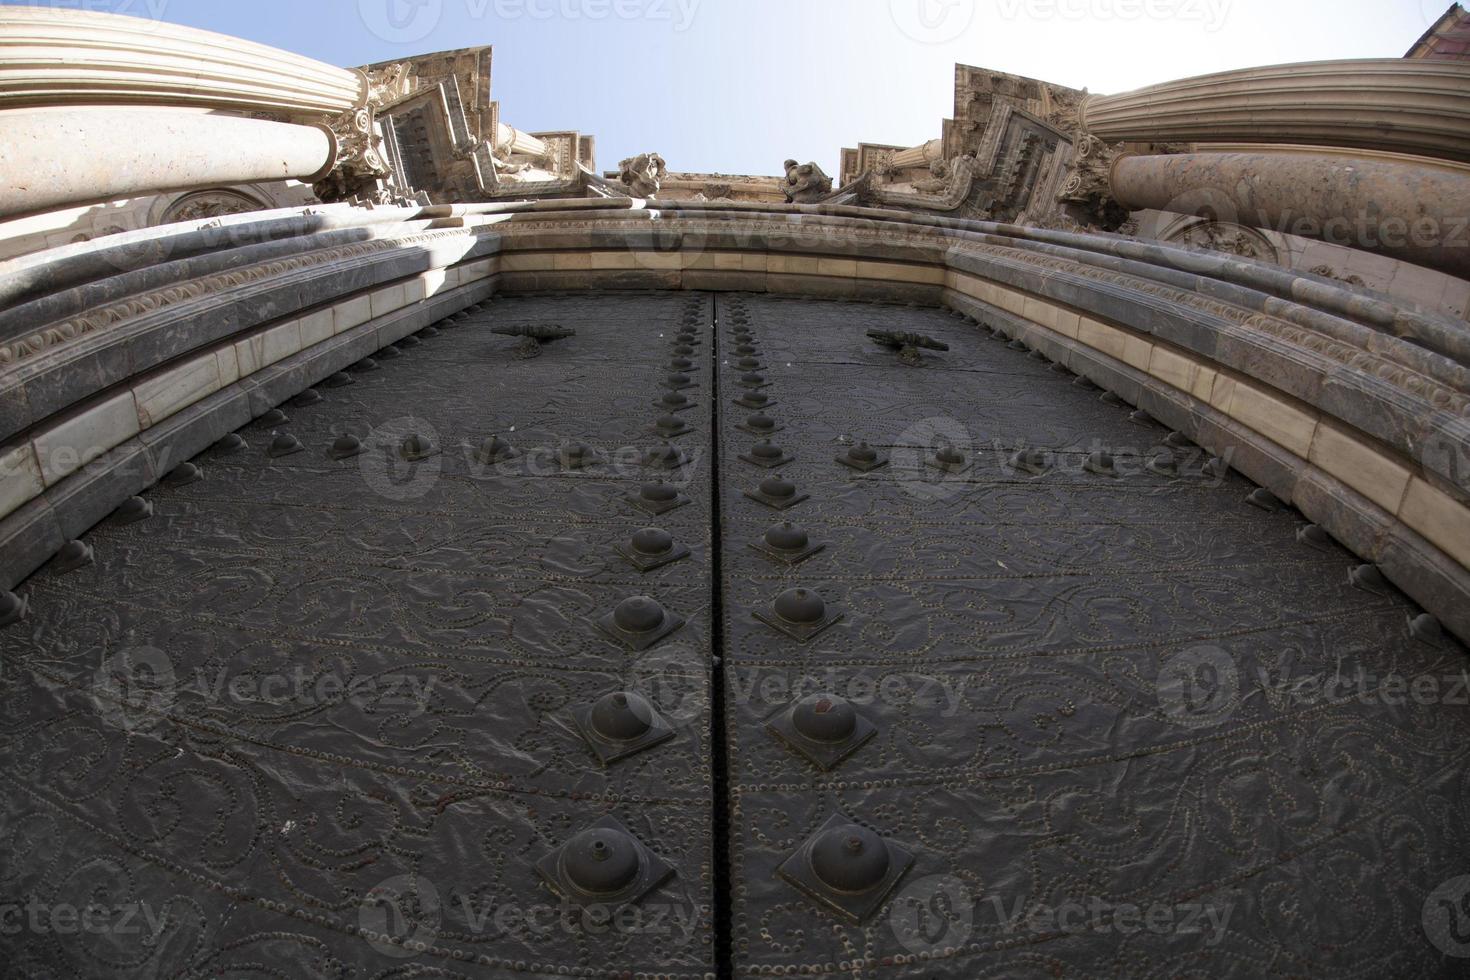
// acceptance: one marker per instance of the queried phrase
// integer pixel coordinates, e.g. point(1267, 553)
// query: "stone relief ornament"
point(643, 174)
point(213, 203)
point(805, 183)
point(1221, 236)
point(942, 172)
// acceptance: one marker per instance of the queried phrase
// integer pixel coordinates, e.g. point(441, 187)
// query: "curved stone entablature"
point(1352, 408)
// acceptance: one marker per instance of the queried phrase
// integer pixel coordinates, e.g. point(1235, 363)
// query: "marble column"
point(509, 140)
point(1396, 105)
point(55, 156)
point(1416, 212)
point(917, 156)
point(98, 106)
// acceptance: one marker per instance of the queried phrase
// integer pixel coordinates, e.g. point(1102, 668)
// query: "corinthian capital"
point(1088, 187)
point(360, 166)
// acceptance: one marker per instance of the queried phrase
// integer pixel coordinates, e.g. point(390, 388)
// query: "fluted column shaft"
point(1396, 105)
point(58, 56)
point(1413, 212)
point(509, 140)
point(917, 156)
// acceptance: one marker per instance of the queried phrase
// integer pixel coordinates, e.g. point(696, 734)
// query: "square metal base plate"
point(639, 641)
point(802, 632)
point(786, 557)
point(824, 755)
point(657, 507)
point(647, 563)
point(652, 872)
point(776, 503)
point(608, 751)
point(854, 908)
point(767, 464)
point(861, 466)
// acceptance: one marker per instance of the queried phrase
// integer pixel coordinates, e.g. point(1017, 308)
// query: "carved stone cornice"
point(74, 328)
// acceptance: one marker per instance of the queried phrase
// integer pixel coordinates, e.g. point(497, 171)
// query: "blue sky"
point(737, 86)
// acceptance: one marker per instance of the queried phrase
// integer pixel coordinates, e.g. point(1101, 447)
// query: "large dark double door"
point(717, 637)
